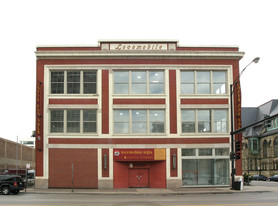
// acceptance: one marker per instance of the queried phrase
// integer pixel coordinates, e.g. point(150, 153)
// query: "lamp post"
point(232, 86)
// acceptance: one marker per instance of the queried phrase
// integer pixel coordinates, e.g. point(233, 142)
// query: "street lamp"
point(232, 86)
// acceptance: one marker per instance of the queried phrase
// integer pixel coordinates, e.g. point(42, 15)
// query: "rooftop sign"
point(138, 46)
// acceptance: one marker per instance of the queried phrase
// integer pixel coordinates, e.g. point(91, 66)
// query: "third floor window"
point(73, 82)
point(203, 82)
point(138, 82)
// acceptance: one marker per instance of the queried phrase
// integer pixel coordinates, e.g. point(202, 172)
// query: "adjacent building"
point(15, 156)
point(135, 114)
point(260, 141)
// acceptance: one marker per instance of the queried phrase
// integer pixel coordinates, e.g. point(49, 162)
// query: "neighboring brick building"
point(9, 158)
point(135, 114)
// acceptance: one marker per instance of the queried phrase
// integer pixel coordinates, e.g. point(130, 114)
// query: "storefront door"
point(138, 177)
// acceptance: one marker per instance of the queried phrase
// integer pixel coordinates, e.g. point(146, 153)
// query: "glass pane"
point(221, 172)
point(121, 77)
point(156, 115)
point(121, 128)
point(138, 77)
point(205, 152)
point(156, 77)
point(139, 89)
point(205, 172)
point(89, 127)
point(156, 88)
point(187, 88)
point(73, 115)
point(89, 82)
point(73, 82)
point(219, 88)
point(57, 82)
point(203, 77)
point(57, 121)
point(188, 127)
point(203, 115)
point(121, 116)
point(189, 172)
point(222, 151)
point(203, 88)
point(57, 127)
point(156, 118)
point(139, 116)
point(220, 121)
point(188, 115)
point(188, 152)
point(73, 121)
point(120, 88)
point(187, 77)
point(219, 77)
point(156, 127)
point(89, 115)
point(139, 127)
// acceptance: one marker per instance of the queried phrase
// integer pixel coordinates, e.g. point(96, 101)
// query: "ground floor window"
point(210, 168)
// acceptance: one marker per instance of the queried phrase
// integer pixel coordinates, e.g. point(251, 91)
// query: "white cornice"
point(140, 54)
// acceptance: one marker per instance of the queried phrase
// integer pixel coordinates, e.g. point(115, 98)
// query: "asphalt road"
point(231, 199)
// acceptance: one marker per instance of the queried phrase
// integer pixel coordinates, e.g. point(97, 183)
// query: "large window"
point(73, 82)
point(203, 82)
point(201, 121)
point(138, 82)
point(275, 145)
point(73, 121)
point(205, 166)
point(139, 121)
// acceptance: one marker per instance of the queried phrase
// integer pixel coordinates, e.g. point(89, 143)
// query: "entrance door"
point(139, 177)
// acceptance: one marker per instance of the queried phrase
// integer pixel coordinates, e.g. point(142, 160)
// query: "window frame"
point(212, 121)
point(81, 81)
point(65, 122)
point(147, 83)
point(195, 82)
point(130, 122)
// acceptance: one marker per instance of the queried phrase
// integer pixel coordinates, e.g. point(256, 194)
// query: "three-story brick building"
point(134, 114)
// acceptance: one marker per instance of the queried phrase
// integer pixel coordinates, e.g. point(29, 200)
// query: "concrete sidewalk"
point(154, 191)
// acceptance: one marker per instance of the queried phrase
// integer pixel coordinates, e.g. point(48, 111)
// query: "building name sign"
point(134, 46)
point(139, 154)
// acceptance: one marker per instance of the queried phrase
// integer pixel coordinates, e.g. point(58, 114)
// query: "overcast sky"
point(250, 25)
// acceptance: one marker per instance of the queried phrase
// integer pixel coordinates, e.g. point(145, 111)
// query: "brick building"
point(134, 114)
point(14, 155)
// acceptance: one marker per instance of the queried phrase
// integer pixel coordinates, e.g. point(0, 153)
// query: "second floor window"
point(202, 121)
point(139, 121)
point(73, 121)
point(73, 82)
point(138, 82)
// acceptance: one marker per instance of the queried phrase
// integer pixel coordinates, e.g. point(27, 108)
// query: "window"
point(264, 149)
point(73, 82)
point(138, 82)
point(139, 121)
point(73, 121)
point(202, 167)
point(200, 120)
point(203, 82)
point(275, 144)
point(220, 121)
point(57, 121)
point(57, 82)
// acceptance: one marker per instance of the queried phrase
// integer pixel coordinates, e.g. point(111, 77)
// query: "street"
point(232, 199)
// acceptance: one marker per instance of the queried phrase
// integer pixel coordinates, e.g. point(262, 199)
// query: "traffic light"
point(232, 155)
point(237, 146)
point(267, 123)
point(237, 155)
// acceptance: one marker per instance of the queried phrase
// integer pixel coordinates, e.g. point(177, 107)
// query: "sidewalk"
point(154, 191)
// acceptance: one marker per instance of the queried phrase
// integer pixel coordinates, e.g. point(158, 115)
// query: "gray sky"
point(249, 24)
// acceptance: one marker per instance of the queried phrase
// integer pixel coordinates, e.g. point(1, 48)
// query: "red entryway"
point(138, 177)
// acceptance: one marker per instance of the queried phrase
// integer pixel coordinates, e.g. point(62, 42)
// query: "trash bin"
point(237, 185)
